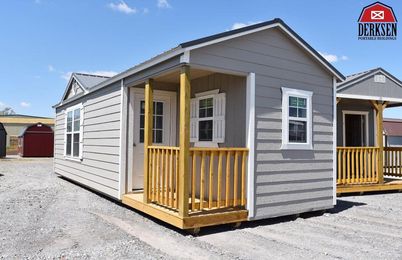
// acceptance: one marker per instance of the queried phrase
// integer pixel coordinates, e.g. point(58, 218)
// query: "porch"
point(189, 183)
point(363, 163)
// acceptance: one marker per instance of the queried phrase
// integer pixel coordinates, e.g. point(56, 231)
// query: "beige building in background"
point(15, 125)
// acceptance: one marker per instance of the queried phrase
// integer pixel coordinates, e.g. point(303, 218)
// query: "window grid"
point(73, 132)
point(205, 119)
point(157, 132)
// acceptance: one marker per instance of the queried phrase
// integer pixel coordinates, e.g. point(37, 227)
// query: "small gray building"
point(231, 127)
point(363, 161)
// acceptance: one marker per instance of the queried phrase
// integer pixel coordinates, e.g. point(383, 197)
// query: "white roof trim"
point(357, 80)
point(261, 29)
point(178, 51)
point(69, 86)
point(364, 97)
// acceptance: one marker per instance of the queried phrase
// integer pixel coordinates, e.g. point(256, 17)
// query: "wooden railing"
point(217, 177)
point(393, 161)
point(163, 175)
point(357, 165)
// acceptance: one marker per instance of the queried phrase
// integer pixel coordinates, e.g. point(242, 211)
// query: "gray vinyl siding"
point(368, 87)
point(355, 105)
point(286, 182)
point(99, 168)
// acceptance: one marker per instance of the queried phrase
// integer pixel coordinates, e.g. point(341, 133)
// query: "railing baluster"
point(227, 186)
point(243, 179)
point(193, 180)
point(171, 193)
point(361, 165)
point(177, 179)
point(202, 182)
point(339, 170)
point(353, 152)
point(218, 197)
point(236, 179)
point(211, 180)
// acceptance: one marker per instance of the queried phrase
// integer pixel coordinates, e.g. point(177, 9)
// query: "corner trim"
point(250, 141)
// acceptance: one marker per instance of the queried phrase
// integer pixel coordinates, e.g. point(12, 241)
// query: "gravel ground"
point(44, 216)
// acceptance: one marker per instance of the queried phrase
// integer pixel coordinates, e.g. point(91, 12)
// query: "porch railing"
point(163, 175)
point(357, 165)
point(393, 161)
point(217, 177)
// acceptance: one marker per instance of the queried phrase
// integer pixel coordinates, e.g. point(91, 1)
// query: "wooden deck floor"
point(194, 220)
point(389, 184)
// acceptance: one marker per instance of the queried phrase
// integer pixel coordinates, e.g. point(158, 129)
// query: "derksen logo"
point(377, 22)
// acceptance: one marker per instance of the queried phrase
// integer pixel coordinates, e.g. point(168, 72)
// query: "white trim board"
point(357, 80)
point(353, 112)
point(334, 140)
point(353, 96)
point(250, 141)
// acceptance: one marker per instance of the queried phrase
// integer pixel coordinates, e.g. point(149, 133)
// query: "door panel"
point(162, 127)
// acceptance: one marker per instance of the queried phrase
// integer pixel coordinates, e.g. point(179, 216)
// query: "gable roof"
point(201, 42)
point(85, 81)
point(357, 77)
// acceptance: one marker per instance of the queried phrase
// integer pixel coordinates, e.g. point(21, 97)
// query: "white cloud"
point(123, 7)
point(50, 68)
point(239, 25)
point(67, 75)
point(25, 104)
point(332, 58)
point(2, 105)
point(163, 4)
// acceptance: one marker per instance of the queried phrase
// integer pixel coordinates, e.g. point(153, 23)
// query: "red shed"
point(36, 141)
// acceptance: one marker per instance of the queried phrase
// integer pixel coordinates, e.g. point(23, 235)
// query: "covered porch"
point(363, 162)
point(197, 177)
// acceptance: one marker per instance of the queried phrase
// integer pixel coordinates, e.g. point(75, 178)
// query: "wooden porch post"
point(148, 127)
point(185, 89)
point(379, 107)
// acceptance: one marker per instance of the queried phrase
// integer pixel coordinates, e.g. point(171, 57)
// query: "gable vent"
point(379, 78)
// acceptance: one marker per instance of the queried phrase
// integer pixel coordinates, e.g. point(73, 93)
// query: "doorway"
point(355, 128)
point(164, 128)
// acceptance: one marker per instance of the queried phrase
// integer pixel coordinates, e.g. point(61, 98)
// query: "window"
point(207, 126)
point(73, 134)
point(296, 119)
point(157, 122)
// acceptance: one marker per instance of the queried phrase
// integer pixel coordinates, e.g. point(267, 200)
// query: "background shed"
point(36, 141)
point(3, 140)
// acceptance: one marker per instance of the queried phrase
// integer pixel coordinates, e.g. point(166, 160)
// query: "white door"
point(164, 125)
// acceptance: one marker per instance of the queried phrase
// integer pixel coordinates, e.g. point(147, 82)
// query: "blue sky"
point(42, 41)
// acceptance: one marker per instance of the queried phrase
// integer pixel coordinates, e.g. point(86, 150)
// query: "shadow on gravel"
point(342, 205)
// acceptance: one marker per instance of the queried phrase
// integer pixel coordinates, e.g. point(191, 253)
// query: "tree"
point(7, 111)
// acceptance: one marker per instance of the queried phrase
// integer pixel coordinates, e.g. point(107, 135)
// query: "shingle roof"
point(89, 81)
point(393, 126)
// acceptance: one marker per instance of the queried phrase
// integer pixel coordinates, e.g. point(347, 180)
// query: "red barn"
point(36, 141)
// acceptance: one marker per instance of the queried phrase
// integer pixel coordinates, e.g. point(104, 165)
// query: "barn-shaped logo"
point(377, 22)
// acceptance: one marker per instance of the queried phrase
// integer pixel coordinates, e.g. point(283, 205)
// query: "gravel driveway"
point(44, 216)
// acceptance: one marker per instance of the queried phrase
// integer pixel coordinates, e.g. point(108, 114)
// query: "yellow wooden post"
point(184, 153)
point(148, 127)
point(379, 107)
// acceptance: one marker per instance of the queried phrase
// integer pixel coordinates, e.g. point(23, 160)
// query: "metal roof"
point(393, 126)
point(185, 45)
point(361, 75)
point(89, 81)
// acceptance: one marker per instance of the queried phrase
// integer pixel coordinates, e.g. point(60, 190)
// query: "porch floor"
point(389, 184)
point(194, 220)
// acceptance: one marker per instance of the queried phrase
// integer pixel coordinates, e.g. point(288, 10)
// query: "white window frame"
point(286, 93)
point(198, 97)
point(80, 132)
point(366, 125)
